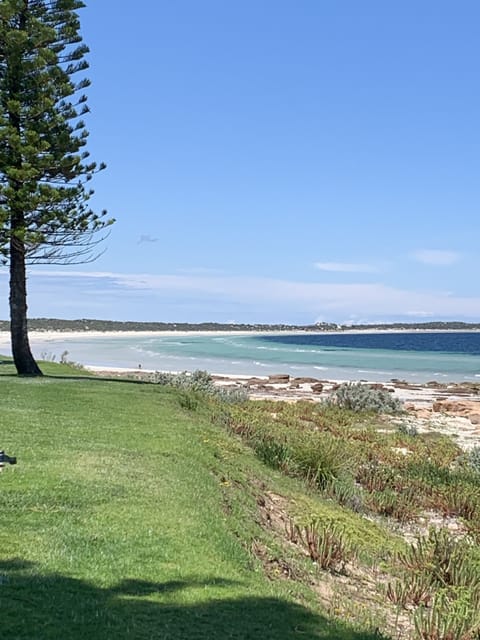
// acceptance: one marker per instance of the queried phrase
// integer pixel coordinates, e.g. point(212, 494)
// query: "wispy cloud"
point(436, 257)
point(345, 267)
point(146, 238)
point(259, 299)
point(200, 271)
point(419, 314)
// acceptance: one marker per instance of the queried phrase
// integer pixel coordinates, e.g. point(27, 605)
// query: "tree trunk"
point(22, 356)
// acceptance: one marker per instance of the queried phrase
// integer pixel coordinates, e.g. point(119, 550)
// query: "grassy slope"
point(130, 517)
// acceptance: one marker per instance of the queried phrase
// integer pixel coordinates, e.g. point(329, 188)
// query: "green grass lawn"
point(128, 516)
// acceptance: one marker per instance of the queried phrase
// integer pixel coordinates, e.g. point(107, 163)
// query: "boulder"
point(279, 378)
point(456, 407)
point(317, 387)
point(251, 382)
point(464, 408)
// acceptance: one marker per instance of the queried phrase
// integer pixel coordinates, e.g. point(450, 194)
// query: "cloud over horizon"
point(197, 297)
point(345, 267)
point(436, 257)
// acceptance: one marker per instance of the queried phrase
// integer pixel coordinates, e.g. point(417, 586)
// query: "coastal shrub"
point(319, 459)
point(451, 616)
point(442, 559)
point(189, 400)
point(459, 499)
point(327, 544)
point(198, 382)
point(391, 504)
point(407, 429)
point(471, 459)
point(233, 395)
point(350, 458)
point(361, 397)
point(439, 576)
point(344, 491)
point(272, 451)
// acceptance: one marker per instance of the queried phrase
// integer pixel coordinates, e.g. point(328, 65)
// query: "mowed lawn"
point(114, 522)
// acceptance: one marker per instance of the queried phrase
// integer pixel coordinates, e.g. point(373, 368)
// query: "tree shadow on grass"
point(81, 377)
point(56, 607)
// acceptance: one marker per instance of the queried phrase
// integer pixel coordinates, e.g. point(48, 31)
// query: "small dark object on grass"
point(6, 459)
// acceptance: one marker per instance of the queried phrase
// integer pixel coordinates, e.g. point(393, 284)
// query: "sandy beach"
point(452, 408)
point(52, 336)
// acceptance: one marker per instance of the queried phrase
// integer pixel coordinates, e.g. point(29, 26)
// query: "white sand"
point(43, 336)
point(462, 429)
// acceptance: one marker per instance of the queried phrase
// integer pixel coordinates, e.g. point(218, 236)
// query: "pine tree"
point(44, 213)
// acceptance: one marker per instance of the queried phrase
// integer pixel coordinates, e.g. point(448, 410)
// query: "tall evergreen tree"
point(44, 212)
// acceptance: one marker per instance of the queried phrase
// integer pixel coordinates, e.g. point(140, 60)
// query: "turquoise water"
point(263, 355)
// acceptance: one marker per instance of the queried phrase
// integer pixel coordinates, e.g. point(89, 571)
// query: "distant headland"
point(84, 324)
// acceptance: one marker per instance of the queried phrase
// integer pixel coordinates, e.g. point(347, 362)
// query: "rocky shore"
point(452, 409)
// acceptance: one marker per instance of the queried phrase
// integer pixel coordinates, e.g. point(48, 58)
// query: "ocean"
point(412, 356)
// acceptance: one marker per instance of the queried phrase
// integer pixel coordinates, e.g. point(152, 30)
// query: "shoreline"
point(448, 409)
point(286, 387)
point(52, 335)
point(123, 349)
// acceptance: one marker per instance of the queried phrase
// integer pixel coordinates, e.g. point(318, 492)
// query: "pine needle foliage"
point(44, 167)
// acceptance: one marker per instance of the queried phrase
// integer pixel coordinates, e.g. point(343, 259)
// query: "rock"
point(251, 382)
point(474, 418)
point(424, 413)
point(305, 380)
point(317, 387)
point(419, 412)
point(381, 387)
point(279, 378)
point(465, 408)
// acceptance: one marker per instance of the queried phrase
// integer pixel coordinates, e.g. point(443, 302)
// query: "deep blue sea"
point(414, 356)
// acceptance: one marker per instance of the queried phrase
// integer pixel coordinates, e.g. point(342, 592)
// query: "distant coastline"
point(108, 326)
point(418, 355)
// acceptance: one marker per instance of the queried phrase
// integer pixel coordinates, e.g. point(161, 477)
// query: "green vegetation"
point(440, 577)
point(84, 324)
point(141, 510)
point(45, 215)
point(363, 397)
point(192, 385)
point(128, 516)
point(90, 324)
point(360, 461)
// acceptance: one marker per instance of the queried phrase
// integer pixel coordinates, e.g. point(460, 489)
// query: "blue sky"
point(280, 161)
